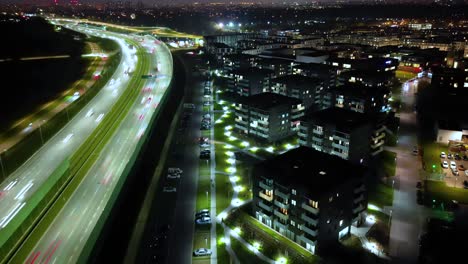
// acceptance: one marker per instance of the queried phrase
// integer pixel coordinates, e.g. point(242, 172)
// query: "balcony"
point(265, 206)
point(302, 142)
point(309, 208)
point(377, 151)
point(309, 220)
point(378, 144)
point(307, 240)
point(338, 146)
point(380, 129)
point(360, 189)
point(264, 196)
point(240, 121)
point(378, 137)
point(309, 231)
point(265, 186)
point(281, 194)
point(280, 204)
point(358, 209)
point(359, 199)
point(238, 126)
point(281, 215)
point(301, 134)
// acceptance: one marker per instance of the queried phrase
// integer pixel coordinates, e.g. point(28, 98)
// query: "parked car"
point(203, 139)
point(465, 184)
point(200, 215)
point(457, 156)
point(465, 158)
point(173, 176)
point(206, 116)
point(449, 156)
point(206, 220)
point(445, 164)
point(415, 150)
point(455, 172)
point(207, 103)
point(461, 167)
point(443, 155)
point(175, 170)
point(466, 172)
point(204, 145)
point(169, 189)
point(453, 165)
point(202, 252)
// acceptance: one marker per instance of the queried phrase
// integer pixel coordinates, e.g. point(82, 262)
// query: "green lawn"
point(244, 254)
point(381, 195)
point(431, 156)
point(389, 163)
point(439, 191)
point(273, 245)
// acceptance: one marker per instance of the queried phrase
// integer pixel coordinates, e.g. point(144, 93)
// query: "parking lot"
point(455, 167)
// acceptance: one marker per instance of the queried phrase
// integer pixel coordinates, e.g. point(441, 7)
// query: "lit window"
point(328, 221)
point(330, 199)
point(337, 195)
point(341, 222)
point(293, 202)
point(314, 204)
point(293, 223)
point(293, 191)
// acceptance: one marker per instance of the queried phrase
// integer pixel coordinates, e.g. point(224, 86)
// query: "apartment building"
point(344, 133)
point(309, 90)
point(310, 197)
point(268, 117)
point(249, 81)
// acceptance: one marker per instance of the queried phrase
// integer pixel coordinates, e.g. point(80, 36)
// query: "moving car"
point(202, 252)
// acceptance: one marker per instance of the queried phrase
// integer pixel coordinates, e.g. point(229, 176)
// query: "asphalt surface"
point(67, 235)
point(26, 180)
point(178, 209)
point(407, 216)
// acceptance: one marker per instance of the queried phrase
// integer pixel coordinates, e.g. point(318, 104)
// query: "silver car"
point(202, 252)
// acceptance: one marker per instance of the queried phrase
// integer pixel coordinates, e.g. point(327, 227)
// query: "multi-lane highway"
point(26, 180)
point(66, 237)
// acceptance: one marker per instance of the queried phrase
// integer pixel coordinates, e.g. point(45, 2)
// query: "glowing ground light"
point(245, 144)
point(228, 128)
point(236, 202)
point(230, 153)
point(370, 219)
point(231, 138)
point(237, 230)
point(219, 121)
point(270, 149)
point(227, 146)
point(231, 161)
point(227, 133)
point(373, 207)
point(239, 188)
point(256, 245)
point(281, 260)
point(222, 215)
point(225, 108)
point(254, 149)
point(221, 102)
point(231, 169)
point(234, 178)
point(225, 115)
point(288, 146)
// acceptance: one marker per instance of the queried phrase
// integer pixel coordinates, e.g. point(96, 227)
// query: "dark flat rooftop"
point(296, 80)
point(266, 101)
point(318, 173)
point(343, 119)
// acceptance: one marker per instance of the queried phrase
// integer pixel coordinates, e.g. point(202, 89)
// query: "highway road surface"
point(66, 237)
point(21, 185)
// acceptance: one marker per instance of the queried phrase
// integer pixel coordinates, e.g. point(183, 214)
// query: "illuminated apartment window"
point(330, 199)
point(283, 211)
point(293, 223)
point(269, 193)
point(341, 222)
point(293, 191)
point(313, 203)
point(293, 202)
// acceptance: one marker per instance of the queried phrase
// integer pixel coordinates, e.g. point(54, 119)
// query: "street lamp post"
point(390, 218)
point(1, 163)
point(207, 201)
point(40, 131)
point(206, 242)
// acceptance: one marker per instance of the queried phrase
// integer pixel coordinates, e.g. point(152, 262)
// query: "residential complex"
point(308, 196)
